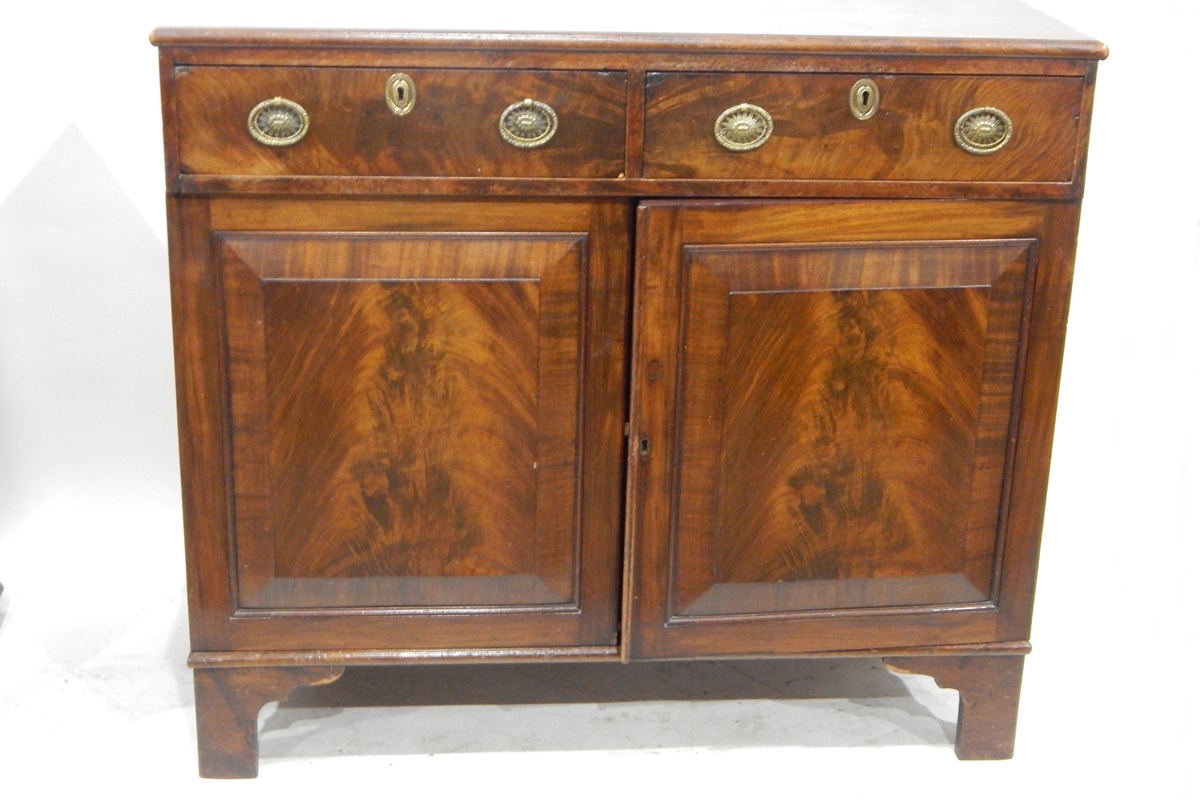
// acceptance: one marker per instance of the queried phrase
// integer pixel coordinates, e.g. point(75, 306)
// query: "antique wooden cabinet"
point(620, 346)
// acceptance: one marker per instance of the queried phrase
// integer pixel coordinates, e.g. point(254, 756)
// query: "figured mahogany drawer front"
point(812, 131)
point(452, 127)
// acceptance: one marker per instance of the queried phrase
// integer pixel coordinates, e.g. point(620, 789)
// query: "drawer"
point(816, 135)
point(452, 129)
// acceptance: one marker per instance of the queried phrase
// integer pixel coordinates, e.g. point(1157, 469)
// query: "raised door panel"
point(420, 409)
point(843, 426)
point(406, 417)
point(825, 433)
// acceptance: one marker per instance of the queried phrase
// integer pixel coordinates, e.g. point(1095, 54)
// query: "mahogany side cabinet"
point(618, 346)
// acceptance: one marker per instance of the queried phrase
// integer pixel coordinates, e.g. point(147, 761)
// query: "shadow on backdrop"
point(86, 380)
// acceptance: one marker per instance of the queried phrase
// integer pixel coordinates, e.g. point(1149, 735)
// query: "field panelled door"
point(376, 402)
point(412, 421)
point(823, 422)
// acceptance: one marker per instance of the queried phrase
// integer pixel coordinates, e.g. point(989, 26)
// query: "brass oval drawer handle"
point(529, 123)
point(400, 93)
point(743, 127)
point(278, 122)
point(983, 130)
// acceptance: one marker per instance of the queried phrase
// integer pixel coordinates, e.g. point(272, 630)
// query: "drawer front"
point(816, 135)
point(452, 129)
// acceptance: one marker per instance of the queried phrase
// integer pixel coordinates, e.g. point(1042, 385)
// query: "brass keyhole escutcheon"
point(864, 99)
point(400, 93)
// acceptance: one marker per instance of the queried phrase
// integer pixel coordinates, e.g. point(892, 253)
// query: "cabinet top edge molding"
point(1001, 28)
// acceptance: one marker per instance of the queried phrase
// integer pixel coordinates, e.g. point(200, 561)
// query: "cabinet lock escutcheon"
point(864, 99)
point(400, 93)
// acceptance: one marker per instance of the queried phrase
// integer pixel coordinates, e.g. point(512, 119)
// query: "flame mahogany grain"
point(815, 138)
point(627, 395)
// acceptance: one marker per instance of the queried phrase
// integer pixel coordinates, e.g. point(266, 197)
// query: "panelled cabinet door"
point(827, 397)
point(405, 415)
point(414, 419)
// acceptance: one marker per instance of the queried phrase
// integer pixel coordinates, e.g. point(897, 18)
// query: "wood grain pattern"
point(221, 622)
point(292, 658)
point(637, 188)
point(942, 27)
point(919, 290)
point(837, 449)
point(199, 393)
point(989, 690)
point(724, 57)
point(403, 349)
point(406, 417)
point(227, 705)
point(816, 137)
point(452, 130)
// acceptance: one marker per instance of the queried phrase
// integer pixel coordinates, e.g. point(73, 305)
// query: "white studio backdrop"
point(89, 501)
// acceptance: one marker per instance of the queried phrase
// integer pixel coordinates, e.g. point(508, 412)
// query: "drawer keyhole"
point(400, 93)
point(864, 99)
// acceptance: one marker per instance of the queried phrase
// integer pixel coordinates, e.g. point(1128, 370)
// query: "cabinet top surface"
point(927, 27)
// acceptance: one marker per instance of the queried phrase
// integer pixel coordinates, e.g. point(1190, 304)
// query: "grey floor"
point(94, 693)
point(94, 690)
point(603, 707)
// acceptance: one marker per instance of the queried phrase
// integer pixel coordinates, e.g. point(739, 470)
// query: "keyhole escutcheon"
point(400, 94)
point(864, 99)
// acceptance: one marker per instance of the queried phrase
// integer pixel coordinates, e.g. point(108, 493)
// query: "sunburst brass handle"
point(529, 123)
point(278, 122)
point(743, 127)
point(983, 130)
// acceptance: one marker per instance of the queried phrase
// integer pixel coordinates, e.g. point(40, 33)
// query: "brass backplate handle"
point(278, 122)
point(529, 123)
point(743, 127)
point(400, 93)
point(983, 131)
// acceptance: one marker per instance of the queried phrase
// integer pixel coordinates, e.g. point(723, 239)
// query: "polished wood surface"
point(845, 414)
point(828, 393)
point(453, 129)
point(940, 27)
point(227, 706)
point(379, 404)
point(989, 690)
point(406, 417)
point(816, 136)
point(609, 143)
point(628, 395)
